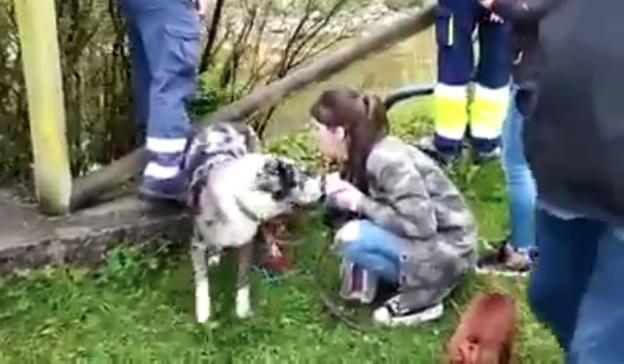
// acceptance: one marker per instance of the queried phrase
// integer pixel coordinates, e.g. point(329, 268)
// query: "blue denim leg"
point(519, 180)
point(567, 251)
point(370, 247)
point(599, 335)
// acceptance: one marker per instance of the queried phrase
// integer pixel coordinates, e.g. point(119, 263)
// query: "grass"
point(139, 306)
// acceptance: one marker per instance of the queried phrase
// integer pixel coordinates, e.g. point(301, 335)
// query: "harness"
point(213, 146)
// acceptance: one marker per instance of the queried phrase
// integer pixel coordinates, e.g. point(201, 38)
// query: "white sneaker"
point(493, 154)
point(385, 316)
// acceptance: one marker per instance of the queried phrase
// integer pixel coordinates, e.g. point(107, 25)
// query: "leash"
point(274, 278)
point(333, 308)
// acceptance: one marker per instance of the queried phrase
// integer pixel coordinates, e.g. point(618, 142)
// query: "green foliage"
point(140, 307)
point(209, 95)
point(96, 85)
point(128, 266)
point(298, 146)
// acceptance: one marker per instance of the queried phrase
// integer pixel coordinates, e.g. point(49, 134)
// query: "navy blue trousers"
point(455, 24)
point(164, 39)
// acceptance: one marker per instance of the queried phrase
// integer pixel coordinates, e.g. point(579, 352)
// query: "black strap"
point(250, 214)
point(329, 303)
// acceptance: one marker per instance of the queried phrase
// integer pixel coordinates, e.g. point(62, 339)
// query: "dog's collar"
point(250, 214)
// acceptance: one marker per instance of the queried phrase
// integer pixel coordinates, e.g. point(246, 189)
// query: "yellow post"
point(36, 21)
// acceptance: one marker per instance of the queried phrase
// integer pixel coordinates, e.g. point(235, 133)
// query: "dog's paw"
point(243, 313)
point(243, 306)
point(203, 314)
point(214, 260)
point(202, 302)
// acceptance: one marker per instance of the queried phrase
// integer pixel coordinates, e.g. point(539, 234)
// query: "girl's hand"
point(333, 183)
point(342, 194)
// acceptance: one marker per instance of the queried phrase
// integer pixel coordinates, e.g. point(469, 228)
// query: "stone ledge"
point(29, 240)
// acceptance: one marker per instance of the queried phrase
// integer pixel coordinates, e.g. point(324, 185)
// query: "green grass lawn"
point(139, 307)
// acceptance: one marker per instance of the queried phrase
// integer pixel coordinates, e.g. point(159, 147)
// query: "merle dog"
point(234, 189)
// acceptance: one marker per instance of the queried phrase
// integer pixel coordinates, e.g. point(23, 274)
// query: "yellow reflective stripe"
point(451, 116)
point(487, 117)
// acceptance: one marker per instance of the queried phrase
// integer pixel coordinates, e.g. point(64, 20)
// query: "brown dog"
point(486, 332)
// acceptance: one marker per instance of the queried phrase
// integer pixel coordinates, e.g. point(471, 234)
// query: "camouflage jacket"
point(410, 196)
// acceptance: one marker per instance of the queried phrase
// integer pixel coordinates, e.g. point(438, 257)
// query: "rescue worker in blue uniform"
point(456, 22)
point(164, 42)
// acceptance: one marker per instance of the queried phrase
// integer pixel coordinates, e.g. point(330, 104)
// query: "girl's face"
point(331, 142)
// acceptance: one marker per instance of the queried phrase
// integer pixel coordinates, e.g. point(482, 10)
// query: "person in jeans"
point(515, 255)
point(409, 225)
point(574, 141)
point(164, 42)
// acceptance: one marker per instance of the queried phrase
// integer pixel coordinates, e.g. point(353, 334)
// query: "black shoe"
point(164, 190)
point(507, 261)
point(427, 146)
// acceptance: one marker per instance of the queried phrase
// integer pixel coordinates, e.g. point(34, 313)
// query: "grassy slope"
point(140, 307)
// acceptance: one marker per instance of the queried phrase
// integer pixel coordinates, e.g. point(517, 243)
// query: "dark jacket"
point(574, 138)
point(525, 16)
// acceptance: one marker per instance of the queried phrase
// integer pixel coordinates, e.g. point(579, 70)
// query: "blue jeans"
point(577, 286)
point(164, 41)
point(370, 247)
point(519, 180)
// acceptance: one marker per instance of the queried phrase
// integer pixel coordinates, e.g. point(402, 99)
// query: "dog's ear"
point(278, 177)
point(287, 174)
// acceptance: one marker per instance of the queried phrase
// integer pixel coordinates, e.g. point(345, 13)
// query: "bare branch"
point(213, 29)
point(321, 25)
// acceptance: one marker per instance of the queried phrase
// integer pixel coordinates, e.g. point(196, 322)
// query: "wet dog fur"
point(237, 198)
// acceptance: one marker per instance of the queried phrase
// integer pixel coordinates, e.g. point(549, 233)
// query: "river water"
point(411, 61)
